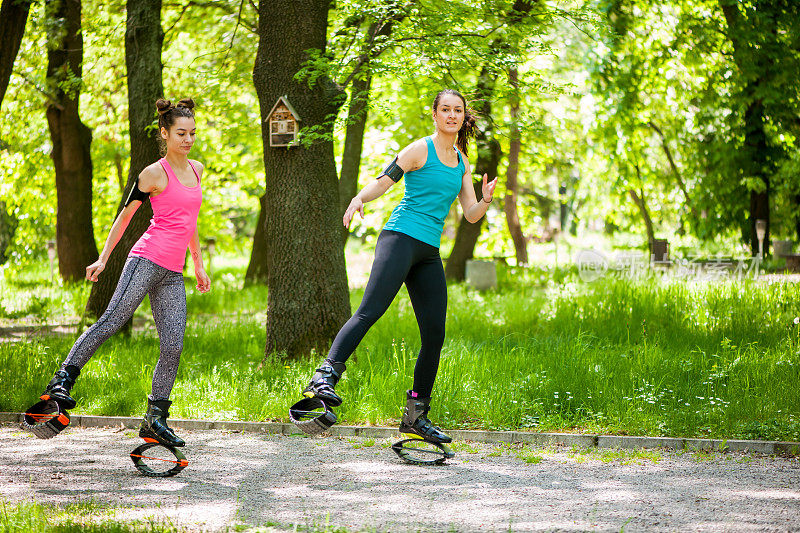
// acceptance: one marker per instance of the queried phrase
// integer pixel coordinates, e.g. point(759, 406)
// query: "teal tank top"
point(430, 191)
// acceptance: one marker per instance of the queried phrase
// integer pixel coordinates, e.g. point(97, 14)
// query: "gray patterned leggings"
point(168, 302)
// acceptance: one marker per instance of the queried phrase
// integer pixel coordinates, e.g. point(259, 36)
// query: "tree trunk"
point(353, 142)
point(639, 200)
point(257, 268)
point(143, 40)
point(489, 154)
point(759, 210)
point(357, 115)
point(755, 151)
point(71, 142)
point(308, 297)
point(675, 171)
point(510, 201)
point(467, 233)
point(797, 216)
point(8, 226)
point(757, 157)
point(13, 17)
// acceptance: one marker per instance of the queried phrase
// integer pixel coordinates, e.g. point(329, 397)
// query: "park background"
point(610, 124)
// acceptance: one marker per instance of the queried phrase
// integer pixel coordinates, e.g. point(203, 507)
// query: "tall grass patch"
point(544, 352)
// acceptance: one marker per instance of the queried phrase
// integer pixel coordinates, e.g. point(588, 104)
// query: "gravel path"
point(263, 480)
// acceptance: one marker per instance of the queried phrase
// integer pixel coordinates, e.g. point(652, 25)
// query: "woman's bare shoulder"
point(152, 178)
point(198, 165)
point(413, 156)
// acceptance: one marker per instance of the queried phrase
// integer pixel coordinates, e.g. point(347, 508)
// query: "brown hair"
point(168, 112)
point(468, 128)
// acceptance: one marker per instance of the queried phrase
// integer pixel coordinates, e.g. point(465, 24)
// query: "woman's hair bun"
point(168, 112)
point(163, 106)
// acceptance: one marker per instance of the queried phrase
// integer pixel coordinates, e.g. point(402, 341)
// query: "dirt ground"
point(244, 480)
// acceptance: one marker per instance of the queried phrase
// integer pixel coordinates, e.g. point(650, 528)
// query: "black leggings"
point(398, 259)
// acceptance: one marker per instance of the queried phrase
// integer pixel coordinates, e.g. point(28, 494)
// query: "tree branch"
point(233, 37)
point(51, 98)
point(222, 6)
point(674, 168)
point(378, 29)
point(640, 201)
point(447, 34)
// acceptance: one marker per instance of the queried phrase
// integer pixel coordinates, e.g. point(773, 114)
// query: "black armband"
point(136, 194)
point(393, 171)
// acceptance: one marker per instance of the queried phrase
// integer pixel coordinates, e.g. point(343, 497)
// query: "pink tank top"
point(173, 224)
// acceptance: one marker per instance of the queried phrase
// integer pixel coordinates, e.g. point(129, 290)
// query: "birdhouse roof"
point(285, 102)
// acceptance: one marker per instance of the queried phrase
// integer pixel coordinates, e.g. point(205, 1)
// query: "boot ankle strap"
point(330, 368)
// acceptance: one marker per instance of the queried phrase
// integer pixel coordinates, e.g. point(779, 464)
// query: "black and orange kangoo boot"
point(154, 425)
point(60, 386)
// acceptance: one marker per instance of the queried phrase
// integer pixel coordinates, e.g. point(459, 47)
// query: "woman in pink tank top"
point(154, 267)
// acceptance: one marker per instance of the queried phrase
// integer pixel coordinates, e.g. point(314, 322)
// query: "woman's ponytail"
point(469, 130)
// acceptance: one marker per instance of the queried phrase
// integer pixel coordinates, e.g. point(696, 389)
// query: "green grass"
point(617, 456)
point(91, 517)
point(84, 517)
point(546, 352)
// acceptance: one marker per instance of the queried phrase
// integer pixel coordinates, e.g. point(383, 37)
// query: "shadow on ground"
point(263, 480)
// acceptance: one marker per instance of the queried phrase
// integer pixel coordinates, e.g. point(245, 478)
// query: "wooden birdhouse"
point(283, 123)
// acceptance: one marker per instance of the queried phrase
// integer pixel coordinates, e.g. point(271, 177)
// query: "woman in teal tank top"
point(437, 172)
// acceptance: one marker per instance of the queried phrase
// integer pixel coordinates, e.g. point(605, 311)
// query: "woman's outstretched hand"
point(203, 281)
point(488, 188)
point(355, 205)
point(94, 270)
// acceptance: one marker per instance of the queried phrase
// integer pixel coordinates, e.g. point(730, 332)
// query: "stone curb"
point(491, 437)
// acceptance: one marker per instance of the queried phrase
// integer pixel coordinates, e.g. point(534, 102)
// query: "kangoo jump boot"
point(154, 425)
point(415, 420)
point(59, 387)
point(324, 381)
